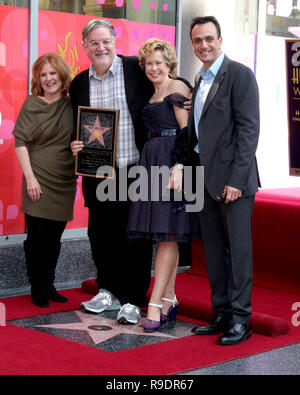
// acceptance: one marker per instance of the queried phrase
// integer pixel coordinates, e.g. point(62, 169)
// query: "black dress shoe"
point(236, 334)
point(39, 297)
point(55, 296)
point(219, 324)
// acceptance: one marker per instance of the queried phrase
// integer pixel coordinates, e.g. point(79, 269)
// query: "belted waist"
point(165, 133)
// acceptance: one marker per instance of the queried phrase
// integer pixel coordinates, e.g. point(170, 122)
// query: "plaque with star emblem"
point(97, 128)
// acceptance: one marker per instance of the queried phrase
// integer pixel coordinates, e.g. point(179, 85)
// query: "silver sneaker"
point(104, 300)
point(129, 314)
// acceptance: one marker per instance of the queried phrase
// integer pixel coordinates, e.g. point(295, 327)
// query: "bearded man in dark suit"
point(116, 82)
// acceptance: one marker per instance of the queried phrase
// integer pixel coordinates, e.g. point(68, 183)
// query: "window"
point(15, 3)
point(246, 16)
point(13, 90)
point(160, 11)
point(283, 18)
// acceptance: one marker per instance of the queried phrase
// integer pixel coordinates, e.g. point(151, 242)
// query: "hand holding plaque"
point(97, 129)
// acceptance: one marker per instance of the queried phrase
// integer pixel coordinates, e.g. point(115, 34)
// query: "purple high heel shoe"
point(151, 325)
point(171, 316)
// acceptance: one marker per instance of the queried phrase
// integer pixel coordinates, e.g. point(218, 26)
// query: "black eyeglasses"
point(95, 44)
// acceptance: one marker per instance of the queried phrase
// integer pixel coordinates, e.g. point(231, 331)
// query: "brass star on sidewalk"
point(110, 328)
point(97, 131)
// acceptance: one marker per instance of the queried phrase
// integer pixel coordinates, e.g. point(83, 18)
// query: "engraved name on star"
point(97, 131)
point(88, 321)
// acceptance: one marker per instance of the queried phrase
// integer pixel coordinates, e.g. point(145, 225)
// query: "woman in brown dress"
point(43, 133)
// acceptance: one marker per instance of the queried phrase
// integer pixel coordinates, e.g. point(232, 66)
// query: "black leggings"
point(42, 248)
point(45, 231)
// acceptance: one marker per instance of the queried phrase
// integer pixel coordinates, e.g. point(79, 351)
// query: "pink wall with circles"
point(58, 32)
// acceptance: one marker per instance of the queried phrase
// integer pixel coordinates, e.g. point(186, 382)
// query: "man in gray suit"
point(223, 137)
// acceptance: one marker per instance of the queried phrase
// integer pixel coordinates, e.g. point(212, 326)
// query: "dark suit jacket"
point(229, 130)
point(138, 92)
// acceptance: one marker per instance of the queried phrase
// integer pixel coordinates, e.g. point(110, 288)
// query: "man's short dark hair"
point(201, 20)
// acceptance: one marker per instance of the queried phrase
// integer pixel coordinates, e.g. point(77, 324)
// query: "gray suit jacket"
point(229, 130)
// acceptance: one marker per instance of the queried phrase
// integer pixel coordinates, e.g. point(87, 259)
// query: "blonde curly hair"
point(167, 50)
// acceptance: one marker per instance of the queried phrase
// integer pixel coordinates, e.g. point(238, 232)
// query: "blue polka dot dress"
point(156, 218)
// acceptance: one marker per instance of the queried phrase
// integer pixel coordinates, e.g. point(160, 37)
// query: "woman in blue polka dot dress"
point(158, 218)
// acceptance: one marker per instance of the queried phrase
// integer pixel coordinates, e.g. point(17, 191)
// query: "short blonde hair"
point(167, 50)
point(59, 65)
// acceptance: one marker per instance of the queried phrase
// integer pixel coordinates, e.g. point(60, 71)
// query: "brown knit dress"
point(46, 130)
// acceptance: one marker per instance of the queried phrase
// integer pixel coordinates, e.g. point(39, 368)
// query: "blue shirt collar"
point(214, 68)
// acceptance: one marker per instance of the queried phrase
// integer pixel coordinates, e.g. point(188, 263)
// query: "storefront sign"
point(293, 102)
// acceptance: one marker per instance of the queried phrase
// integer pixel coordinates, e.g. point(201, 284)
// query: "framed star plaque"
point(97, 128)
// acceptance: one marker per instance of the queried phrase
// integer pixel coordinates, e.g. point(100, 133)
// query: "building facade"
point(254, 33)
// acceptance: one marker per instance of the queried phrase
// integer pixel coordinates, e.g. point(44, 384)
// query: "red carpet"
point(27, 352)
point(22, 306)
point(276, 235)
point(272, 310)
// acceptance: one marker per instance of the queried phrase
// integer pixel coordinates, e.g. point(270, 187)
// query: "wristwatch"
point(180, 166)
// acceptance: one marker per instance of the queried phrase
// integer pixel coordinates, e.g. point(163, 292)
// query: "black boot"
point(54, 295)
point(35, 274)
point(52, 260)
point(39, 296)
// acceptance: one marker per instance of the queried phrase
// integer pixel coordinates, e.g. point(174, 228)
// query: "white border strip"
point(33, 37)
point(69, 234)
point(178, 26)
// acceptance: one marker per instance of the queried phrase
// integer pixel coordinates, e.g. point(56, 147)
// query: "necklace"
point(159, 91)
